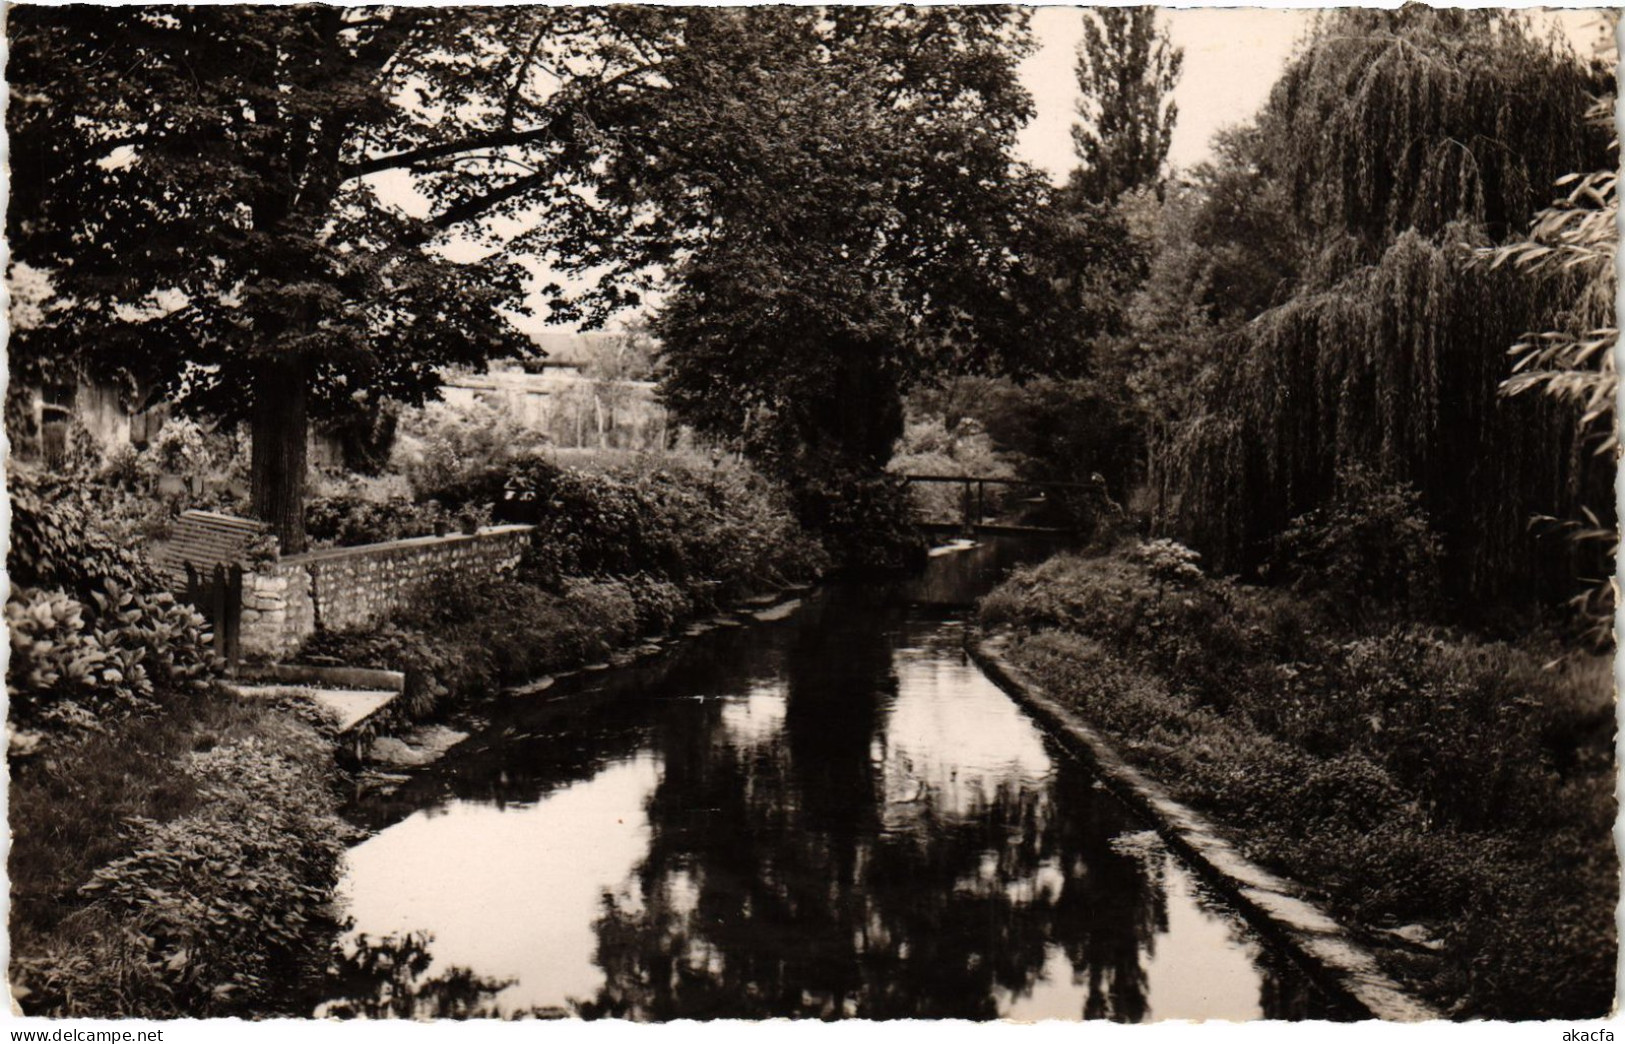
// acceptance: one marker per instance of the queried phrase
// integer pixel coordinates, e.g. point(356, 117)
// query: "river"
point(829, 814)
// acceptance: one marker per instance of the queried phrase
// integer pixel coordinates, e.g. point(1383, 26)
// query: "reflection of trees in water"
point(1286, 993)
point(771, 889)
point(778, 881)
point(388, 978)
point(532, 746)
point(1114, 902)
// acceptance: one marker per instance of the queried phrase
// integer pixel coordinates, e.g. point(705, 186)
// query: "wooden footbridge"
point(973, 501)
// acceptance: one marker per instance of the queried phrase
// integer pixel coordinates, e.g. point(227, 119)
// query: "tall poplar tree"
point(1126, 71)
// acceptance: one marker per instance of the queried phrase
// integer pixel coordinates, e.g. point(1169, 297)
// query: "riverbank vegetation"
point(1407, 772)
point(208, 899)
point(172, 846)
point(1379, 653)
point(631, 548)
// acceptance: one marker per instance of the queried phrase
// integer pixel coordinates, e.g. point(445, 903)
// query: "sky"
point(1233, 56)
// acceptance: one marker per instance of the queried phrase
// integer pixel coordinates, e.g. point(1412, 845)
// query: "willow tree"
point(1571, 358)
point(1403, 140)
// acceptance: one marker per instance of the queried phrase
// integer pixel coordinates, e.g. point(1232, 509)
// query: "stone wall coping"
point(410, 543)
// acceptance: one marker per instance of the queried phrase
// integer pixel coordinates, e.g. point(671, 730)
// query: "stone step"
point(334, 677)
point(345, 708)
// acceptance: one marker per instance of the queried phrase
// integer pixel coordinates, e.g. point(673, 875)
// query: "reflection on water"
point(957, 578)
point(832, 816)
point(395, 977)
point(510, 892)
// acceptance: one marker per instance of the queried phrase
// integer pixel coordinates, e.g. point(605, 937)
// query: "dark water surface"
point(833, 814)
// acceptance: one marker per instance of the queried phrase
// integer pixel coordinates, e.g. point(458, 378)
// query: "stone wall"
point(278, 611)
point(345, 588)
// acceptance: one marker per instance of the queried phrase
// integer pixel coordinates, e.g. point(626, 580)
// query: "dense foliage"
point(1370, 551)
point(56, 541)
point(476, 639)
point(832, 198)
point(931, 446)
point(1083, 434)
point(348, 521)
point(192, 196)
point(1399, 141)
point(94, 637)
point(202, 900)
point(1409, 772)
point(1080, 432)
point(1571, 357)
point(80, 665)
point(621, 550)
point(828, 196)
point(1574, 240)
point(722, 532)
point(1057, 409)
point(199, 870)
point(440, 446)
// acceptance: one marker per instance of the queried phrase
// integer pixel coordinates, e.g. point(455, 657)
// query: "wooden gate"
point(218, 595)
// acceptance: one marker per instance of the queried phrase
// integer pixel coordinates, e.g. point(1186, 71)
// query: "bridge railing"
point(973, 501)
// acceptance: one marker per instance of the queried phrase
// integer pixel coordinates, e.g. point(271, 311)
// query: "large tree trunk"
point(279, 428)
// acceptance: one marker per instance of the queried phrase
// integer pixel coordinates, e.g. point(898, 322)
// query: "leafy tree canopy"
point(830, 196)
point(188, 180)
point(181, 177)
point(244, 205)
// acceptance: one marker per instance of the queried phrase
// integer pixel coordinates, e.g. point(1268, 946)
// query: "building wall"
point(572, 410)
point(346, 588)
point(101, 409)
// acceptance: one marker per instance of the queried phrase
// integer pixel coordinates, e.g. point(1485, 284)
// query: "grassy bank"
point(1410, 775)
point(622, 549)
point(173, 865)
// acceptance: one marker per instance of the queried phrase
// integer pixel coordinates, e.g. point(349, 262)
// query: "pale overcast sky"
point(1232, 58)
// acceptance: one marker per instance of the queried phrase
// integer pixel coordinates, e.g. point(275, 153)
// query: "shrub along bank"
point(174, 864)
point(627, 549)
point(1409, 773)
point(171, 845)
